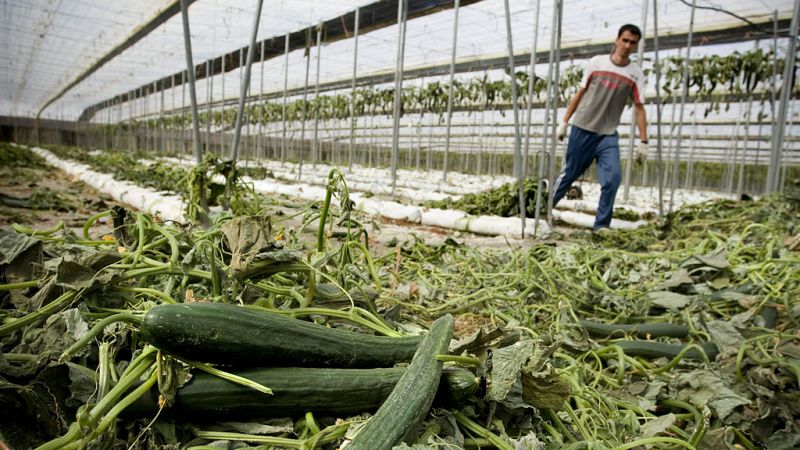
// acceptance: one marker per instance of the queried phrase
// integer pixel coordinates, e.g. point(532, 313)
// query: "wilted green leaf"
point(668, 300)
point(701, 387)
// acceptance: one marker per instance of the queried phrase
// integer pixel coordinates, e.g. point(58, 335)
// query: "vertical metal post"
point(531, 87)
point(419, 142)
point(315, 149)
point(774, 92)
point(430, 145)
point(515, 107)
point(640, 53)
point(172, 108)
point(190, 71)
point(222, 110)
point(131, 96)
point(480, 144)
point(773, 174)
point(183, 106)
point(450, 87)
point(552, 91)
point(162, 135)
point(353, 93)
point(305, 110)
point(209, 101)
point(689, 180)
point(285, 86)
point(740, 183)
point(552, 87)
point(245, 84)
point(731, 167)
point(259, 142)
point(684, 93)
point(398, 85)
point(659, 163)
point(145, 119)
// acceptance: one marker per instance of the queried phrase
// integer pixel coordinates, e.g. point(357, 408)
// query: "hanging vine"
point(713, 79)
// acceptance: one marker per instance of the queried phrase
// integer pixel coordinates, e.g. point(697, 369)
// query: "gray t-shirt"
point(608, 88)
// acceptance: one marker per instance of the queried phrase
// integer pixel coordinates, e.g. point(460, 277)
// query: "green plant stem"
point(654, 440)
point(463, 360)
point(482, 432)
point(46, 311)
point(96, 330)
point(89, 222)
point(19, 285)
point(22, 229)
point(149, 291)
point(111, 416)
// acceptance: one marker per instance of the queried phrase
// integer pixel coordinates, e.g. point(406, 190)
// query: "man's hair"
point(630, 27)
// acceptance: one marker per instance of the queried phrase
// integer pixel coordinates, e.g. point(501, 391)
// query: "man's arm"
point(641, 121)
point(573, 104)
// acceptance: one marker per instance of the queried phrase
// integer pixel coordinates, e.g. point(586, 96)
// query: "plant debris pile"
point(681, 334)
point(501, 201)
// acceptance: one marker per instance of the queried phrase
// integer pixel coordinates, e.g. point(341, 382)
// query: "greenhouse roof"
point(50, 47)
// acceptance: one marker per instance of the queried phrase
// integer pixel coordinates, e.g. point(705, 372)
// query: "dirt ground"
point(53, 196)
point(41, 197)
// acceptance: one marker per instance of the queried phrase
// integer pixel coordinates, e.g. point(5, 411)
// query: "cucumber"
point(410, 400)
point(244, 337)
point(323, 391)
point(642, 330)
point(652, 349)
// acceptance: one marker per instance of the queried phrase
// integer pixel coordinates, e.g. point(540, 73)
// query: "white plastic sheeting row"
point(168, 207)
point(575, 212)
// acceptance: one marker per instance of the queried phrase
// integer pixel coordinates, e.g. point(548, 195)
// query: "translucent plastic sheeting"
point(49, 43)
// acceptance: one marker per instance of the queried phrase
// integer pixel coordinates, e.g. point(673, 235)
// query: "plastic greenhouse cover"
point(54, 41)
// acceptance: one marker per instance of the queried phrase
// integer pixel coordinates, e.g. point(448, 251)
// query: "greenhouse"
point(399, 224)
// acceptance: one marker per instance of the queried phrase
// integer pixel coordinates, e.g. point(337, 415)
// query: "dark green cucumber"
point(410, 400)
point(234, 335)
point(295, 391)
point(653, 349)
point(642, 330)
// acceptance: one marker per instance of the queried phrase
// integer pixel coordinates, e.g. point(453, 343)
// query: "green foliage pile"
point(721, 276)
point(501, 201)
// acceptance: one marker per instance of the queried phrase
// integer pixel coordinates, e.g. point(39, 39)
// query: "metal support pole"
point(402, 6)
point(183, 106)
point(640, 53)
point(162, 138)
point(556, 58)
point(259, 142)
point(198, 155)
point(515, 107)
point(450, 87)
point(689, 180)
point(222, 111)
point(772, 98)
point(130, 122)
point(192, 94)
point(245, 85)
point(209, 100)
point(740, 182)
point(731, 167)
point(531, 86)
point(684, 93)
point(353, 93)
point(315, 144)
point(773, 174)
point(304, 111)
point(285, 86)
point(659, 159)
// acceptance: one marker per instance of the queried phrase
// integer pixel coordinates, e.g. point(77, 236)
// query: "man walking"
point(608, 83)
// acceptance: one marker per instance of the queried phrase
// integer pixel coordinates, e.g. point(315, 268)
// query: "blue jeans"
point(583, 148)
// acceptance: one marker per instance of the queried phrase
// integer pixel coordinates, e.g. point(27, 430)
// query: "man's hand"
point(642, 149)
point(561, 131)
